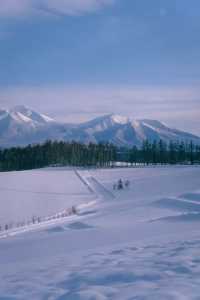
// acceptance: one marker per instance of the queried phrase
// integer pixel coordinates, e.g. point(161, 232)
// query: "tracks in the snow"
point(82, 209)
point(94, 185)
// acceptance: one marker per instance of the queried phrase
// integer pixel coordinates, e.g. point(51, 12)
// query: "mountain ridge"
point(20, 126)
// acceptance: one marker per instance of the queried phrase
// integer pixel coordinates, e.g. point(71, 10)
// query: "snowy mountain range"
point(20, 126)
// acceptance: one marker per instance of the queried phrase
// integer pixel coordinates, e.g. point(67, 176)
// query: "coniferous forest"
point(97, 155)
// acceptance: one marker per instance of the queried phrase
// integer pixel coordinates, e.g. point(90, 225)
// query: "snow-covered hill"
point(125, 132)
point(138, 243)
point(22, 126)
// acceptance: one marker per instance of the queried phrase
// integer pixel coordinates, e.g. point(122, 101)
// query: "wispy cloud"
point(18, 8)
point(74, 7)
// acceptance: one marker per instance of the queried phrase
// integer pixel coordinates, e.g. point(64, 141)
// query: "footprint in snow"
point(79, 226)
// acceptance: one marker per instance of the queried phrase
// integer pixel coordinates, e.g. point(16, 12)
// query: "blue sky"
point(76, 59)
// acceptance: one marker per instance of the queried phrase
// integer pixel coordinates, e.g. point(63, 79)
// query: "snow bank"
point(144, 244)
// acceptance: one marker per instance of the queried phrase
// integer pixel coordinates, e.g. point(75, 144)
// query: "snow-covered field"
point(38, 193)
point(139, 243)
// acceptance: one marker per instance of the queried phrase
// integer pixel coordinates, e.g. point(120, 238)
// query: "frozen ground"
point(142, 243)
point(38, 193)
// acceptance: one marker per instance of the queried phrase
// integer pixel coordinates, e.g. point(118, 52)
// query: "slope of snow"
point(22, 126)
point(38, 193)
point(19, 117)
point(28, 114)
point(103, 123)
point(3, 114)
point(46, 118)
point(120, 119)
point(139, 243)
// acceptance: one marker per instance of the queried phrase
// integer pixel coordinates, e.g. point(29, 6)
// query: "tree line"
point(159, 152)
point(57, 153)
point(98, 155)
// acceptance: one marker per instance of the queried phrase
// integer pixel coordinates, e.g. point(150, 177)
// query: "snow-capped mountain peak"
point(22, 109)
point(119, 119)
point(24, 114)
point(21, 126)
point(103, 123)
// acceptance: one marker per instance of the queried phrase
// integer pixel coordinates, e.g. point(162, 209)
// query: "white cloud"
point(13, 8)
point(75, 7)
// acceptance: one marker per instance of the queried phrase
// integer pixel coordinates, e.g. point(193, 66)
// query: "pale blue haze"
point(52, 47)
